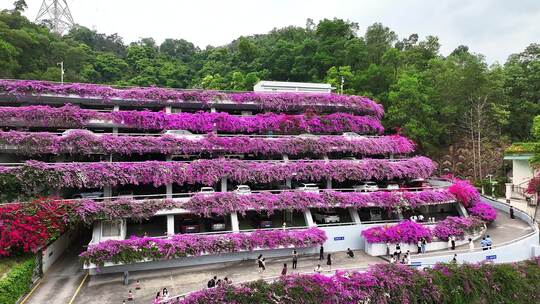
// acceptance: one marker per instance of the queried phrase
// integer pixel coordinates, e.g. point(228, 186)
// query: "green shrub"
point(17, 281)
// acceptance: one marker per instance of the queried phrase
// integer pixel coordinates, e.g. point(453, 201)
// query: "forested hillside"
point(446, 104)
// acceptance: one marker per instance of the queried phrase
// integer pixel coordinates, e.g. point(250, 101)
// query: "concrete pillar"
point(354, 215)
point(235, 224)
point(328, 183)
point(168, 109)
point(212, 110)
point(169, 189)
point(462, 211)
point(288, 182)
point(116, 108)
point(309, 218)
point(223, 184)
point(115, 130)
point(170, 224)
point(107, 191)
point(246, 113)
point(508, 190)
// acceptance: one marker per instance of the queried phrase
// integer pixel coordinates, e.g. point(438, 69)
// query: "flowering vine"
point(136, 249)
point(164, 96)
point(36, 175)
point(200, 122)
point(85, 142)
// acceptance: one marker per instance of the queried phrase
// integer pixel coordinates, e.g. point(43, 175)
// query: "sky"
point(495, 28)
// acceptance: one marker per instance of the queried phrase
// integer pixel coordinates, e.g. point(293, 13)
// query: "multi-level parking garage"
point(160, 163)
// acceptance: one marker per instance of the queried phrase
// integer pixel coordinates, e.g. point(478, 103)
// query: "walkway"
point(108, 288)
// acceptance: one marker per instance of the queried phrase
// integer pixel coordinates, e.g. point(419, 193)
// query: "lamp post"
point(61, 64)
point(342, 82)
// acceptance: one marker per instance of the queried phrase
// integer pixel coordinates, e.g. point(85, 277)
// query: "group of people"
point(215, 282)
point(161, 296)
point(397, 258)
point(486, 243)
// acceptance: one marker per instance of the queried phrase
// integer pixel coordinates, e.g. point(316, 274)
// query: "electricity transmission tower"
point(56, 15)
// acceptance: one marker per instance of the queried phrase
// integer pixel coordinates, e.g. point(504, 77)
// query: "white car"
point(309, 188)
point(206, 190)
point(307, 135)
point(242, 190)
point(366, 187)
point(352, 135)
point(183, 134)
point(326, 217)
point(71, 131)
point(125, 195)
point(392, 187)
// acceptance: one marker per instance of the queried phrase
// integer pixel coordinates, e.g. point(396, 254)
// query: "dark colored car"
point(190, 225)
point(262, 221)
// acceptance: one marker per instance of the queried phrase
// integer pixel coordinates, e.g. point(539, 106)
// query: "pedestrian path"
point(108, 288)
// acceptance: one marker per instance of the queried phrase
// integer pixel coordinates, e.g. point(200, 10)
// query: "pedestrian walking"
point(318, 269)
point(489, 242)
point(453, 242)
point(419, 245)
point(454, 260)
point(284, 270)
point(512, 212)
point(387, 249)
point(393, 259)
point(263, 264)
point(130, 295)
point(321, 253)
point(260, 263)
point(350, 253)
point(471, 244)
point(294, 259)
point(398, 251)
point(329, 261)
point(424, 244)
point(227, 281)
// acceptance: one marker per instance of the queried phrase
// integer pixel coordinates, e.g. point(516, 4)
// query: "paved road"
point(60, 282)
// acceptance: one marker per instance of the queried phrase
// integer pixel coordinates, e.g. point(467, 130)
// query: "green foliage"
point(16, 282)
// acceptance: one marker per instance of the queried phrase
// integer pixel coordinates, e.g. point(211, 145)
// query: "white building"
point(285, 86)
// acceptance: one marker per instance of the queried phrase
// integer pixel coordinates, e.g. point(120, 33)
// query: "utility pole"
point(61, 64)
point(342, 82)
point(56, 15)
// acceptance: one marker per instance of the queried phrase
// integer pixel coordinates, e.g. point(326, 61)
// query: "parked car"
point(242, 190)
point(262, 221)
point(366, 187)
point(375, 214)
point(183, 134)
point(217, 224)
point(125, 194)
point(418, 183)
point(190, 224)
point(206, 190)
point(308, 188)
point(392, 186)
point(91, 195)
point(307, 135)
point(352, 135)
point(326, 217)
point(70, 131)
